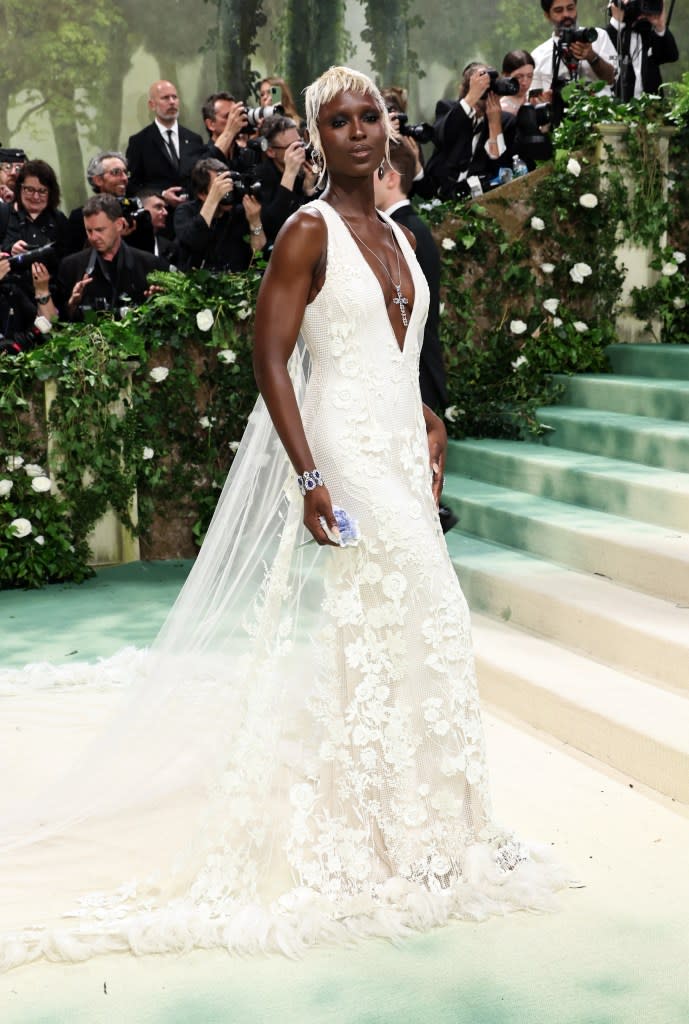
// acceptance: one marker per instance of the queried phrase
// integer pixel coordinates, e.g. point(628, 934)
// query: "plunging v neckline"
point(388, 222)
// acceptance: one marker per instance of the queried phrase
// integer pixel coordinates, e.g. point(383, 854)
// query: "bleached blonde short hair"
point(332, 82)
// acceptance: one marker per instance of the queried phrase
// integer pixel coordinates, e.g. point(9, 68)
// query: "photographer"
point(473, 136)
point(109, 274)
point(639, 33)
point(25, 316)
point(225, 120)
point(211, 229)
point(11, 161)
point(287, 178)
point(108, 174)
point(562, 59)
point(36, 221)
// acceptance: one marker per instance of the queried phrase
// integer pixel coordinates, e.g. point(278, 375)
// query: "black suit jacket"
point(431, 368)
point(131, 267)
point(455, 151)
point(656, 50)
point(150, 165)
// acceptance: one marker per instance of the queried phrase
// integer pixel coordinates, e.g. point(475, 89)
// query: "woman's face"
point(265, 94)
point(352, 134)
point(34, 196)
point(523, 75)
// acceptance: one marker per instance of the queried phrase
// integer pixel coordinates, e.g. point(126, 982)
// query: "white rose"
point(551, 305)
point(43, 324)
point(40, 484)
point(517, 326)
point(588, 200)
point(678, 257)
point(669, 269)
point(226, 355)
point(21, 527)
point(204, 319)
point(537, 224)
point(40, 539)
point(449, 244)
point(204, 422)
point(147, 454)
point(574, 167)
point(32, 469)
point(580, 326)
point(243, 313)
point(14, 462)
point(677, 303)
point(547, 268)
point(451, 413)
point(557, 322)
point(158, 373)
point(579, 271)
point(234, 446)
point(441, 309)
point(5, 487)
point(519, 361)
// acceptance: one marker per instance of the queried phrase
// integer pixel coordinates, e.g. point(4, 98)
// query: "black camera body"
point(25, 259)
point(244, 183)
point(577, 35)
point(132, 208)
point(501, 85)
point(635, 9)
point(419, 132)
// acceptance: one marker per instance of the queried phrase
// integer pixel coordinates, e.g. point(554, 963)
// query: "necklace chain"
point(401, 300)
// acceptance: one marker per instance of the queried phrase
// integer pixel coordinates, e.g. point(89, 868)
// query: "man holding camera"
point(109, 274)
point(287, 178)
point(474, 137)
point(211, 230)
point(108, 174)
point(639, 33)
point(572, 53)
point(225, 120)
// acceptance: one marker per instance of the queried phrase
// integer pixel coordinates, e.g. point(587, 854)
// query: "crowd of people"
point(176, 199)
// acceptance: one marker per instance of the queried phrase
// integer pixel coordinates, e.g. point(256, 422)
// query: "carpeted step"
point(652, 442)
point(655, 559)
point(645, 493)
point(625, 722)
point(669, 361)
point(638, 633)
point(635, 396)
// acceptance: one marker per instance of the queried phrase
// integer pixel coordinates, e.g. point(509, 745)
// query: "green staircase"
point(574, 557)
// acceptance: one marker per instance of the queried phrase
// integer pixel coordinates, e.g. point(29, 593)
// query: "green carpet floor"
point(616, 953)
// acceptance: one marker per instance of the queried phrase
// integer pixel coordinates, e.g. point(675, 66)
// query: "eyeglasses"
point(117, 172)
point(31, 191)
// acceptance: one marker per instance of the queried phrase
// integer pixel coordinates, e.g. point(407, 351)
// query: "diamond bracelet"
point(309, 480)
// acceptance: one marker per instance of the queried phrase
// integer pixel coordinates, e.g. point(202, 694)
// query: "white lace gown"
point(300, 758)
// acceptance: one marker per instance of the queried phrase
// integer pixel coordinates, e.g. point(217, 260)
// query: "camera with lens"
point(132, 208)
point(25, 259)
point(532, 144)
point(419, 132)
point(577, 35)
point(501, 85)
point(254, 115)
point(244, 184)
point(635, 9)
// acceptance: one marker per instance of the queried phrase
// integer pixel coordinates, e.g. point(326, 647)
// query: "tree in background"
point(235, 41)
point(389, 23)
point(314, 38)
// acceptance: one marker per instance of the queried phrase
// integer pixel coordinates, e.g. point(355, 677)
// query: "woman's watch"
point(257, 231)
point(43, 300)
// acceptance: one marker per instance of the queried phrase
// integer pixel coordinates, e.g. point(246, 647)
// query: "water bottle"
point(519, 168)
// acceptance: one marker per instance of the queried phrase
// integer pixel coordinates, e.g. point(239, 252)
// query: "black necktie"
point(171, 148)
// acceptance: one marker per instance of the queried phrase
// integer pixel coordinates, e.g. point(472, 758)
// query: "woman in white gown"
point(300, 756)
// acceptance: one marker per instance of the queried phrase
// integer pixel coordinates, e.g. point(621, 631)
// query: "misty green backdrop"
point(74, 75)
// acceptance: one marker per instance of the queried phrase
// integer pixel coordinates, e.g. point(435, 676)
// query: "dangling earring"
point(381, 170)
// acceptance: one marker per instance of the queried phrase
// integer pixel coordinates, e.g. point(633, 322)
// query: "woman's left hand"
point(437, 450)
point(41, 278)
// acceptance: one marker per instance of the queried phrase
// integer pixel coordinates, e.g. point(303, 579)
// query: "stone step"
point(669, 361)
point(651, 442)
point(641, 634)
point(636, 396)
point(653, 559)
point(625, 722)
point(645, 493)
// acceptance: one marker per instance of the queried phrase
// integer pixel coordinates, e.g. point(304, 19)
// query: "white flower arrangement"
point(678, 257)
point(204, 422)
point(580, 326)
point(519, 361)
point(226, 355)
point(159, 373)
point(33, 469)
point(679, 303)
point(537, 224)
point(234, 446)
point(580, 271)
point(147, 453)
point(204, 319)
point(547, 268)
point(669, 269)
point(21, 527)
point(243, 311)
point(449, 244)
point(5, 487)
point(40, 484)
point(574, 167)
point(550, 305)
point(40, 540)
point(13, 462)
point(557, 322)
point(589, 201)
point(451, 413)
point(518, 326)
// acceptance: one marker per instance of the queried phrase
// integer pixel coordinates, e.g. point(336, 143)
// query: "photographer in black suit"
point(287, 178)
point(639, 32)
point(109, 274)
point(473, 136)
